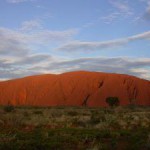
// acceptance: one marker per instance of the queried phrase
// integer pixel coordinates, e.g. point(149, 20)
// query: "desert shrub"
point(9, 108)
point(13, 120)
point(112, 101)
point(26, 114)
point(72, 113)
point(38, 112)
point(78, 122)
point(109, 111)
point(95, 119)
point(55, 113)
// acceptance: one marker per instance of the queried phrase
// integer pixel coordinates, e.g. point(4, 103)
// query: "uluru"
point(74, 89)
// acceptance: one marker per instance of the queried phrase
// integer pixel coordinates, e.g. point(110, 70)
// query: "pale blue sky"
point(54, 36)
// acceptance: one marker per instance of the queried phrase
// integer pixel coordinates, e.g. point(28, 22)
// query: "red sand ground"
point(74, 88)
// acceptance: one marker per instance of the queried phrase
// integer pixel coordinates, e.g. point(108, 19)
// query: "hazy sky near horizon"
point(55, 36)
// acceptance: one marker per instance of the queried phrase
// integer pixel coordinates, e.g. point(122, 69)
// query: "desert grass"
point(75, 128)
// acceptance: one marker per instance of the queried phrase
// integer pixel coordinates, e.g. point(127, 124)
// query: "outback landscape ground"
point(74, 128)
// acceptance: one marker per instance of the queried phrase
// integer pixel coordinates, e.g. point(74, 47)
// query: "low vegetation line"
point(74, 128)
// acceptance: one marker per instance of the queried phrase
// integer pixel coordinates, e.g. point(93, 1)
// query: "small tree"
point(112, 101)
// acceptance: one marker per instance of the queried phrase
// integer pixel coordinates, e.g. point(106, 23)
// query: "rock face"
point(74, 89)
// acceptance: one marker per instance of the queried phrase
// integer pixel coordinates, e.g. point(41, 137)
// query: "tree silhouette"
point(112, 101)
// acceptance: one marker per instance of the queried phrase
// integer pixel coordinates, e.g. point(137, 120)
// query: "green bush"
point(9, 108)
point(112, 101)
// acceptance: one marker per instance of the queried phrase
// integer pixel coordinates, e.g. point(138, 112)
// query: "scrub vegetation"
point(74, 128)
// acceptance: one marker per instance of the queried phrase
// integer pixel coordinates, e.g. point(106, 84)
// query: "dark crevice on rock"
point(101, 84)
point(124, 82)
point(85, 100)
